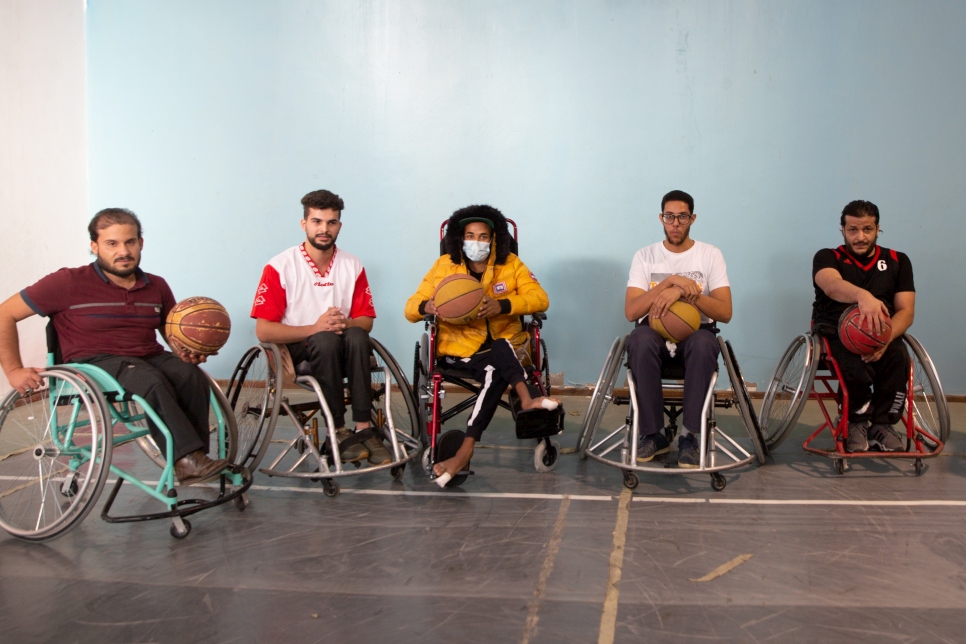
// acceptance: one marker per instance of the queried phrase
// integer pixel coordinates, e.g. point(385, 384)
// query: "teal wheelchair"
point(57, 444)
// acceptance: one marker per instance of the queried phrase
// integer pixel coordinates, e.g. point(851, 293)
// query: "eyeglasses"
point(669, 217)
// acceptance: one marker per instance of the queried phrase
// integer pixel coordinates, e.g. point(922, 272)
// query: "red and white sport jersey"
point(295, 291)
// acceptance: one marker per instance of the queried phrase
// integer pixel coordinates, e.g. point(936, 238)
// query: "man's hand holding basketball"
point(186, 354)
point(332, 320)
point(690, 289)
point(489, 307)
point(874, 311)
point(664, 300)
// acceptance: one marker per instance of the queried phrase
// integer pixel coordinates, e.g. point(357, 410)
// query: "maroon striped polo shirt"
point(93, 315)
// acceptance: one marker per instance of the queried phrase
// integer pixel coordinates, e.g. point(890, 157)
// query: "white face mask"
point(476, 251)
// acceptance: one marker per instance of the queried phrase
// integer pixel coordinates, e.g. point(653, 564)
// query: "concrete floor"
point(516, 555)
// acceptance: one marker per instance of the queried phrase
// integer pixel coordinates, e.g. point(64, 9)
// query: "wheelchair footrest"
point(536, 423)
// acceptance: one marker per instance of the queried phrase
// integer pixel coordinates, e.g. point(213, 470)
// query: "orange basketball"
point(199, 323)
point(680, 321)
point(861, 339)
point(458, 298)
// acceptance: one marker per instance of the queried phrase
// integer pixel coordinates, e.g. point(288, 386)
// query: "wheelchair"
point(57, 444)
point(430, 376)
point(257, 398)
point(718, 451)
point(808, 371)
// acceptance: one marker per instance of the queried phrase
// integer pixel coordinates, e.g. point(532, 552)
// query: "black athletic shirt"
point(884, 274)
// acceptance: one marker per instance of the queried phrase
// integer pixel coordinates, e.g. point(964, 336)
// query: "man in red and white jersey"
point(315, 299)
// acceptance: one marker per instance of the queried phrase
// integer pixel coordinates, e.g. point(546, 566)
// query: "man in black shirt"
point(880, 281)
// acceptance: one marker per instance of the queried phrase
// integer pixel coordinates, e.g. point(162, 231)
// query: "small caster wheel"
point(631, 481)
point(397, 472)
point(718, 482)
point(241, 502)
point(545, 458)
point(69, 487)
point(180, 533)
point(330, 487)
point(918, 466)
point(840, 465)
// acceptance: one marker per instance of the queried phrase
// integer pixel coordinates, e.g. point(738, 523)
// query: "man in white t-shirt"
point(679, 268)
point(315, 299)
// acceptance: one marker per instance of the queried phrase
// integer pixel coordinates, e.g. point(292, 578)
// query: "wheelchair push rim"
point(788, 389)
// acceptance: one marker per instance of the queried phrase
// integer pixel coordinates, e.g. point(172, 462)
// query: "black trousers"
point(877, 390)
point(647, 351)
point(332, 357)
point(176, 390)
point(494, 368)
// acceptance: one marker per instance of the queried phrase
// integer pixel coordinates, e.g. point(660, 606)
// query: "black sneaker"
point(857, 441)
point(688, 456)
point(885, 438)
point(651, 445)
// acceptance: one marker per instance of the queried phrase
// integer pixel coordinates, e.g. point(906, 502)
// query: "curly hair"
point(859, 208)
point(322, 200)
point(453, 239)
point(110, 217)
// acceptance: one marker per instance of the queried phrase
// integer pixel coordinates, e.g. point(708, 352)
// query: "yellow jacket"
point(511, 281)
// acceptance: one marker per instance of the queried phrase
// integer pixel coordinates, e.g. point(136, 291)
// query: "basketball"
point(200, 324)
point(458, 298)
point(680, 321)
point(861, 339)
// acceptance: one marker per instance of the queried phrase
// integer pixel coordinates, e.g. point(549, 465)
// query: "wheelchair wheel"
point(447, 445)
point(254, 396)
point(545, 458)
point(745, 406)
point(788, 389)
point(929, 406)
point(601, 396)
point(55, 454)
point(421, 392)
point(405, 418)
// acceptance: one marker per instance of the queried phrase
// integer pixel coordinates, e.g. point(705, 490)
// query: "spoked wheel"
point(745, 406)
point(788, 389)
point(545, 458)
point(929, 406)
point(601, 396)
point(254, 396)
point(421, 390)
point(51, 441)
point(405, 417)
point(447, 445)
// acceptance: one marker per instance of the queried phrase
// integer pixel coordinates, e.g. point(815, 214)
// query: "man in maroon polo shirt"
point(107, 314)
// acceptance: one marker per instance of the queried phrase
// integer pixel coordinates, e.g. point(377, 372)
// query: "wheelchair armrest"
point(429, 318)
point(539, 316)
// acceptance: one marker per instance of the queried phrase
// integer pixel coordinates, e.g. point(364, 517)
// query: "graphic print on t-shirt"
point(697, 276)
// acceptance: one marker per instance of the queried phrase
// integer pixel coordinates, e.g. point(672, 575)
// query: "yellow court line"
point(608, 618)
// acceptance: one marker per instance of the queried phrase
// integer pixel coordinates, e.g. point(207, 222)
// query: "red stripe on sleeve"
point(362, 305)
point(270, 300)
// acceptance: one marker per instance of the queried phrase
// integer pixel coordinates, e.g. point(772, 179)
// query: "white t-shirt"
point(702, 262)
point(294, 291)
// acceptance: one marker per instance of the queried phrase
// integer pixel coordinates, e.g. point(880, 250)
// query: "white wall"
point(43, 149)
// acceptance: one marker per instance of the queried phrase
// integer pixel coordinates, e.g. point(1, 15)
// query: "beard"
point(319, 246)
point(107, 268)
point(867, 252)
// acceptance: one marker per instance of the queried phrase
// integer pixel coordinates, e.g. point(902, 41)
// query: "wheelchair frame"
point(808, 371)
point(95, 403)
point(258, 404)
point(717, 450)
point(429, 382)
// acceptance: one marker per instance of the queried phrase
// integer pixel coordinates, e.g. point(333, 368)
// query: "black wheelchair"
point(808, 371)
point(431, 375)
point(57, 443)
point(718, 450)
point(256, 394)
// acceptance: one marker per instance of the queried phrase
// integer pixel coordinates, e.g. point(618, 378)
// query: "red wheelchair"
point(808, 371)
point(430, 379)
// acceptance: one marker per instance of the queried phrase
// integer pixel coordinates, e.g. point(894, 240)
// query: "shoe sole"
point(386, 461)
point(688, 466)
point(645, 459)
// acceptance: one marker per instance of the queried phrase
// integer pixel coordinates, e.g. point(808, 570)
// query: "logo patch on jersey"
point(534, 278)
point(262, 288)
point(500, 287)
point(157, 309)
point(259, 300)
point(881, 265)
point(323, 284)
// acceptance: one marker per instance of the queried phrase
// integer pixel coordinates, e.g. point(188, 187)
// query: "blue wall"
point(212, 119)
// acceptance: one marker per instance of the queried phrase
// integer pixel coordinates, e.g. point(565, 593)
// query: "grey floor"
point(516, 555)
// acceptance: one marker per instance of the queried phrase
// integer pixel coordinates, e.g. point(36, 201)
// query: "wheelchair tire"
point(788, 389)
point(544, 458)
point(405, 417)
point(601, 396)
point(40, 434)
point(447, 445)
point(254, 396)
point(421, 385)
point(929, 406)
point(745, 407)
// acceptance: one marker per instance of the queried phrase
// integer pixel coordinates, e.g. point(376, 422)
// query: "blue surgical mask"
point(476, 251)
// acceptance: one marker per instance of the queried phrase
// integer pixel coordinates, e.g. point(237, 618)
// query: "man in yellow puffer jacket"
point(477, 243)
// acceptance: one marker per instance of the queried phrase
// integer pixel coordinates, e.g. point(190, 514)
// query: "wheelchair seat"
point(257, 395)
point(60, 440)
point(718, 450)
point(808, 371)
